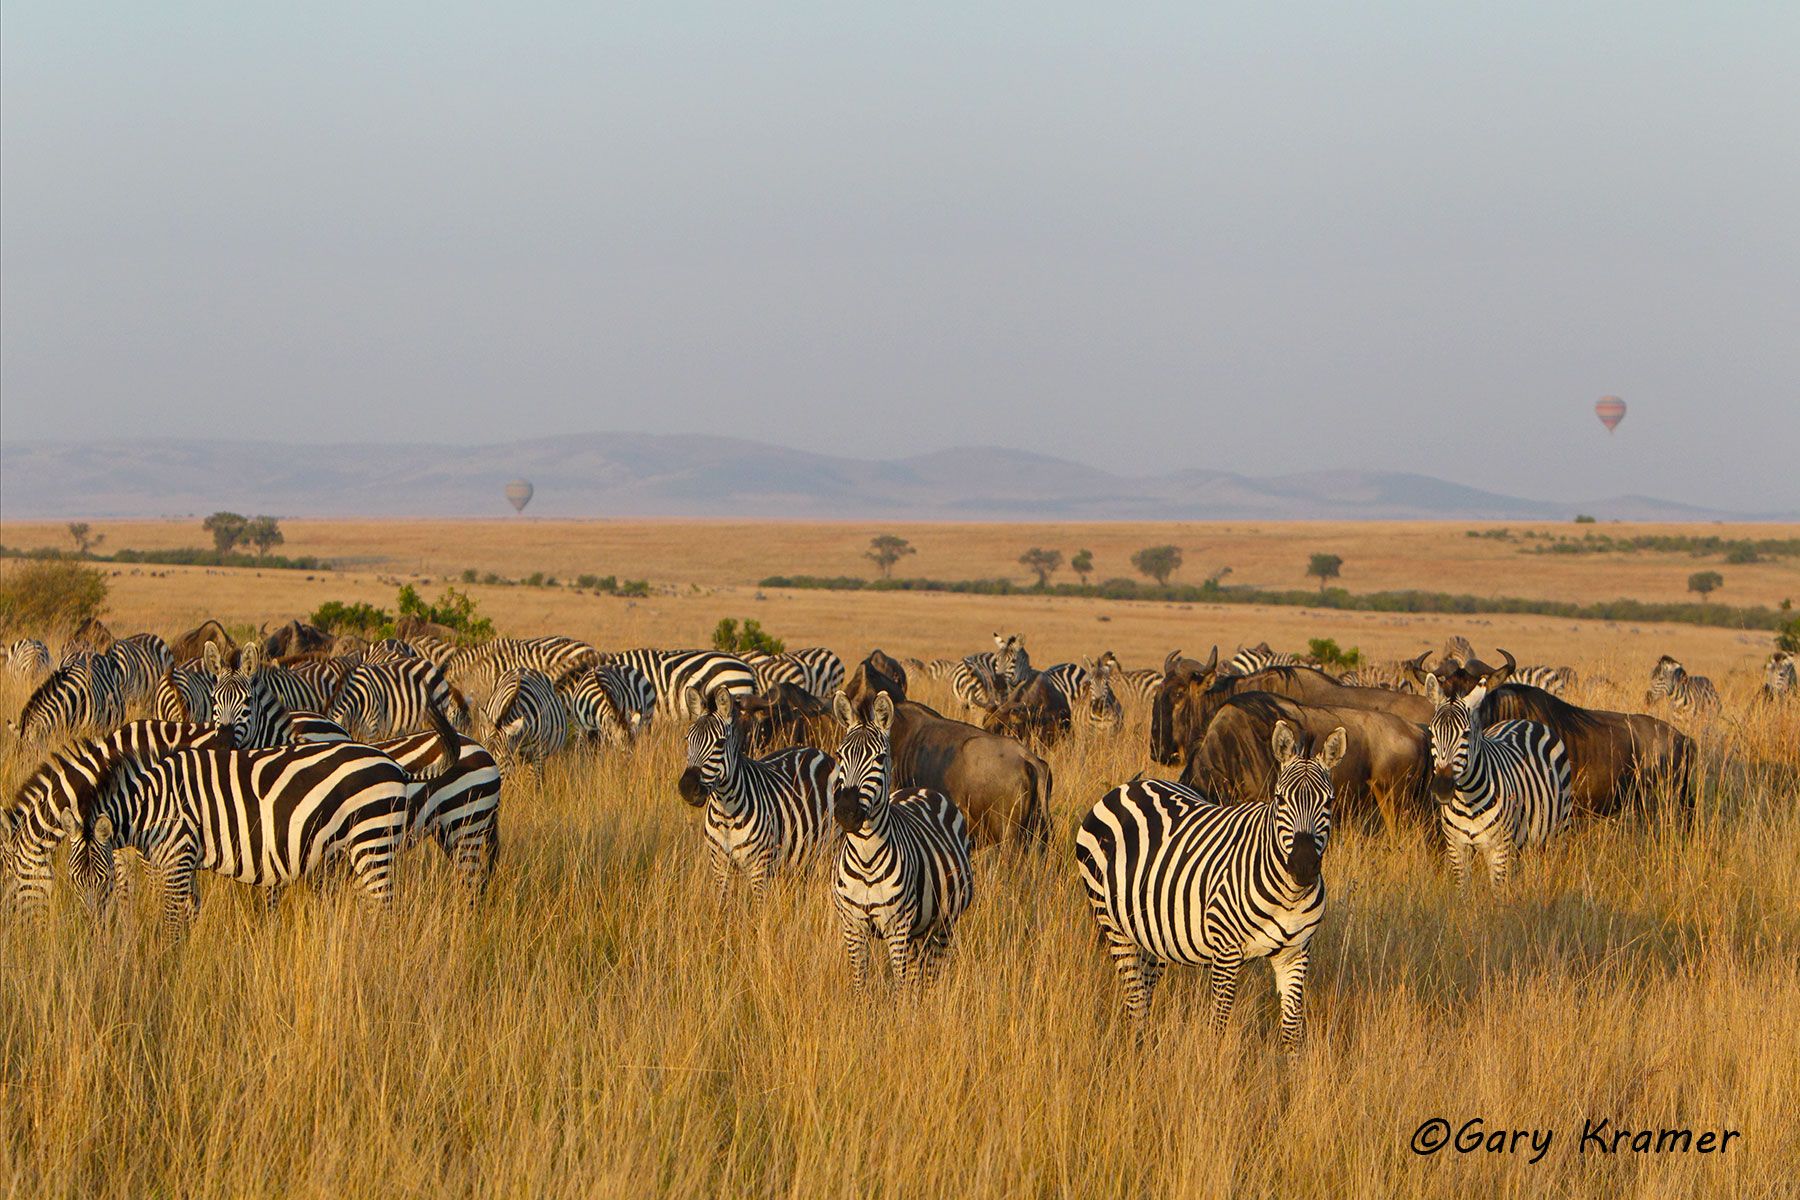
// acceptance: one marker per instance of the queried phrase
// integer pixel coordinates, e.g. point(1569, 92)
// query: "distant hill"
point(627, 474)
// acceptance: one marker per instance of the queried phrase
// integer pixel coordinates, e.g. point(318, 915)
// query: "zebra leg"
point(1290, 981)
point(122, 876)
point(934, 949)
point(1500, 859)
point(762, 868)
point(721, 866)
point(1457, 853)
point(1225, 971)
point(856, 944)
point(900, 953)
point(272, 894)
point(373, 873)
point(1138, 972)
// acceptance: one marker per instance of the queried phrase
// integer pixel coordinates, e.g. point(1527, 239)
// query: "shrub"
point(634, 587)
point(1585, 519)
point(1326, 653)
point(43, 596)
point(1705, 582)
point(1787, 635)
point(730, 637)
point(454, 610)
point(1742, 552)
point(360, 618)
point(471, 575)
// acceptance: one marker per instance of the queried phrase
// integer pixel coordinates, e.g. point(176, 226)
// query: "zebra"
point(184, 694)
point(28, 657)
point(527, 716)
point(977, 682)
point(552, 655)
point(1501, 788)
point(383, 700)
point(1555, 680)
point(81, 696)
point(941, 668)
point(435, 650)
point(1095, 704)
point(1248, 661)
point(903, 868)
point(673, 672)
point(1140, 686)
point(612, 701)
point(1685, 693)
point(1175, 876)
point(1778, 677)
point(1012, 665)
point(33, 824)
point(262, 817)
point(309, 683)
point(140, 660)
point(813, 668)
point(763, 815)
point(388, 649)
point(243, 702)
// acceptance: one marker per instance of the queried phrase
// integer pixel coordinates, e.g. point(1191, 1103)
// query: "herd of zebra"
point(272, 760)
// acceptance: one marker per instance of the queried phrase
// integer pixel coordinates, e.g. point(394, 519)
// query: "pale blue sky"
point(1268, 237)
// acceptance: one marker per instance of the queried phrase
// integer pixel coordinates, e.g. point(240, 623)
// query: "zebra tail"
point(449, 748)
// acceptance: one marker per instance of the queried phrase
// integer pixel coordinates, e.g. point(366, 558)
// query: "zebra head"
point(1096, 688)
point(89, 834)
point(65, 697)
point(1453, 726)
point(1778, 675)
point(1663, 677)
point(234, 707)
point(1011, 663)
point(715, 743)
point(860, 782)
point(598, 713)
point(1303, 796)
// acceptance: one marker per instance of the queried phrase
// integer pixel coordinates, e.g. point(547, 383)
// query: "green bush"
point(1326, 653)
point(360, 618)
point(42, 597)
point(454, 610)
point(735, 639)
point(1787, 635)
point(1742, 552)
point(1584, 519)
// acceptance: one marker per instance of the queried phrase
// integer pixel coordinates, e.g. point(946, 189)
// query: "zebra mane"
point(40, 696)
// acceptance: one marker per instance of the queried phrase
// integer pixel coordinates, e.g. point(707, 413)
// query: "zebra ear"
point(843, 710)
point(692, 704)
point(1434, 691)
point(103, 828)
point(71, 823)
point(721, 702)
point(1283, 742)
point(1333, 751)
point(210, 656)
point(881, 713)
point(250, 658)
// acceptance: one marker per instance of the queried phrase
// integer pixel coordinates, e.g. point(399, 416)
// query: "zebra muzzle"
point(689, 787)
point(1303, 860)
point(847, 809)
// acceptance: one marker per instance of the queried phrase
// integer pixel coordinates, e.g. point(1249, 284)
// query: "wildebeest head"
point(1185, 680)
point(877, 673)
point(715, 743)
point(1303, 795)
point(860, 782)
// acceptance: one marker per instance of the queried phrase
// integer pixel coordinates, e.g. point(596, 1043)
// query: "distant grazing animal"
point(81, 696)
point(903, 870)
point(763, 815)
point(1501, 788)
point(672, 672)
point(296, 637)
point(28, 657)
point(612, 701)
point(1778, 677)
point(1175, 877)
point(528, 718)
point(1685, 693)
point(1400, 676)
point(1257, 658)
point(1035, 711)
point(263, 817)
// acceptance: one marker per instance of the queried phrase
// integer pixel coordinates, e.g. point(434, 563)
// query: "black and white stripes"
point(527, 717)
point(1685, 693)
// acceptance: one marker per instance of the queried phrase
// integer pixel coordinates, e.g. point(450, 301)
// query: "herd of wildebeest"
point(294, 751)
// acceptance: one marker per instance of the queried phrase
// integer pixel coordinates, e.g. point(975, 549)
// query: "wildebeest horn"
point(1500, 675)
point(1170, 662)
point(1212, 660)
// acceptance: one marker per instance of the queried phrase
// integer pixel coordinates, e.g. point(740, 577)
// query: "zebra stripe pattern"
point(28, 657)
point(612, 701)
point(141, 661)
point(459, 809)
point(81, 696)
point(977, 682)
point(527, 716)
point(1175, 877)
point(184, 694)
point(673, 672)
point(244, 703)
point(264, 817)
point(1555, 680)
point(941, 668)
point(1501, 789)
point(813, 668)
point(903, 870)
point(552, 655)
point(1685, 693)
point(1138, 687)
point(384, 700)
point(1255, 658)
point(1779, 677)
point(763, 815)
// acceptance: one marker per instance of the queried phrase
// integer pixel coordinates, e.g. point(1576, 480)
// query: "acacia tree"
point(85, 537)
point(264, 533)
point(1705, 583)
point(1082, 564)
point(1158, 562)
point(227, 529)
point(1324, 567)
point(886, 550)
point(1044, 562)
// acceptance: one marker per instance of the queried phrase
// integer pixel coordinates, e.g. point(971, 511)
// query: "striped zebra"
point(941, 668)
point(673, 672)
point(1249, 660)
point(1138, 687)
point(1501, 788)
point(903, 869)
point(311, 682)
point(528, 718)
point(35, 821)
point(264, 817)
point(1685, 693)
point(140, 660)
point(1778, 677)
point(612, 701)
point(1095, 705)
point(977, 682)
point(389, 649)
point(1174, 876)
point(184, 694)
point(553, 655)
point(384, 700)
point(28, 657)
point(813, 668)
point(81, 696)
point(243, 702)
point(764, 816)
point(436, 651)
point(1555, 680)
point(1012, 664)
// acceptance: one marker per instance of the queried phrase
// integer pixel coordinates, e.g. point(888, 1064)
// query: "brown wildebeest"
point(998, 784)
point(786, 715)
point(1385, 769)
point(1035, 712)
point(1616, 760)
point(188, 648)
point(92, 636)
point(1192, 692)
point(876, 673)
point(296, 637)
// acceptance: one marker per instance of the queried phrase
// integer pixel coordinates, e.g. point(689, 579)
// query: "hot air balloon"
point(519, 493)
point(1610, 410)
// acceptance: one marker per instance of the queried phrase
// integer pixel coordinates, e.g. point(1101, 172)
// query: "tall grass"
point(598, 1026)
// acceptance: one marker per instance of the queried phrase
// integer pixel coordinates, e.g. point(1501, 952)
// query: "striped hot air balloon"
point(1610, 410)
point(518, 492)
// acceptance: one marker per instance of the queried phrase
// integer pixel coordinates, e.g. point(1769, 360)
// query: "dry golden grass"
point(597, 1027)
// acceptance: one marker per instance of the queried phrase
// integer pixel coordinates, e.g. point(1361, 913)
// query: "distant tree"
point(85, 537)
point(1324, 567)
point(1705, 582)
point(264, 533)
point(1044, 562)
point(1585, 519)
point(886, 550)
point(1158, 562)
point(1741, 553)
point(227, 529)
point(1082, 564)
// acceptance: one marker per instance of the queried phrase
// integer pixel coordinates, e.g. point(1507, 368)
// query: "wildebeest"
point(188, 648)
point(1386, 767)
point(296, 637)
point(786, 715)
point(1034, 711)
point(93, 636)
point(1616, 759)
point(877, 673)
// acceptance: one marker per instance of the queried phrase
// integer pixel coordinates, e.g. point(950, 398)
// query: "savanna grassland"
point(598, 1026)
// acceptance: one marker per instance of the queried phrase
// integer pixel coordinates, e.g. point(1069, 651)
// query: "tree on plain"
point(1158, 562)
point(1044, 562)
point(885, 550)
point(1324, 567)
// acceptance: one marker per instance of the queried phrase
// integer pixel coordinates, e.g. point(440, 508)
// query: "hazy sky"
point(1269, 237)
